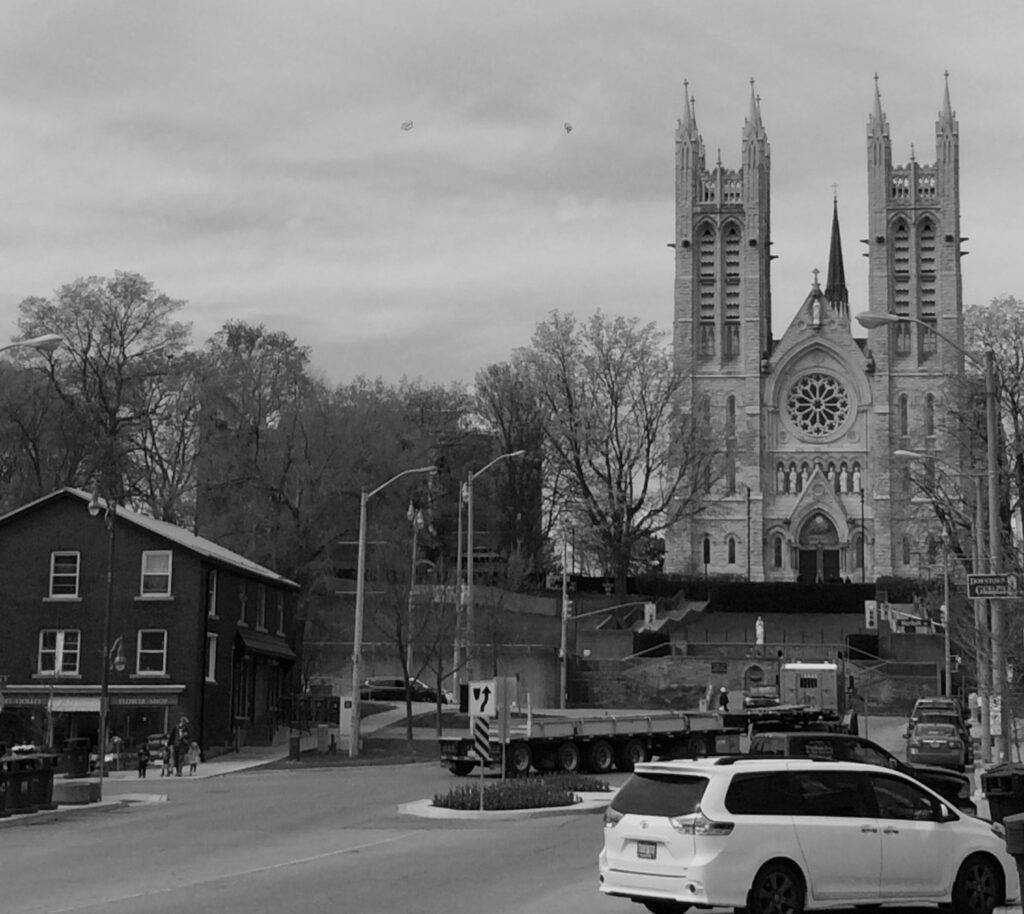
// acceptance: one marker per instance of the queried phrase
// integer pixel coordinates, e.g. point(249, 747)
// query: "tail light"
point(955, 744)
point(611, 817)
point(700, 826)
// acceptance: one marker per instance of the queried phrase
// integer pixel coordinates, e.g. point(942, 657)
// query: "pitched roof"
point(197, 545)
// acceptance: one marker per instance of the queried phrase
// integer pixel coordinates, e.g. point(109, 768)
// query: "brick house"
point(195, 629)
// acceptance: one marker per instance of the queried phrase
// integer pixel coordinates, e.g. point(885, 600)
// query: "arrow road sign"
point(482, 740)
point(983, 586)
point(483, 698)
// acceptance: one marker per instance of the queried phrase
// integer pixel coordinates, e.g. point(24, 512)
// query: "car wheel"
point(978, 886)
point(569, 757)
point(461, 768)
point(518, 760)
point(776, 889)
point(600, 757)
point(629, 753)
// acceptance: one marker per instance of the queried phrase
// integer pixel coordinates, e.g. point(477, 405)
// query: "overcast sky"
point(249, 157)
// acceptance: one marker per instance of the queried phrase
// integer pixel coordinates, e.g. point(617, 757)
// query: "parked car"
point(392, 688)
point(937, 744)
point(776, 835)
point(762, 696)
point(845, 747)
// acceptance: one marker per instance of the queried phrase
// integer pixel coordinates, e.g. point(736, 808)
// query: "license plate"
point(646, 850)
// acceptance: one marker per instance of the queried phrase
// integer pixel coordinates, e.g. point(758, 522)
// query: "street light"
point(984, 673)
point(1000, 685)
point(945, 613)
point(45, 343)
point(109, 511)
point(415, 516)
point(469, 554)
point(357, 635)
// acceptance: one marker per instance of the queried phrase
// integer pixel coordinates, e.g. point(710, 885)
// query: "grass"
point(536, 792)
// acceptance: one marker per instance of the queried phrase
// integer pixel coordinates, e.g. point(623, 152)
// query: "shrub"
point(521, 793)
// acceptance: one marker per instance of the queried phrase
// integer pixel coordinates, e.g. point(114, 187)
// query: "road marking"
point(220, 877)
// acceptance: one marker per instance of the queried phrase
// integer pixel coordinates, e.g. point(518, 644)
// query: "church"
point(809, 489)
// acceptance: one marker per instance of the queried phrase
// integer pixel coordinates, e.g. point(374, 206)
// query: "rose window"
point(818, 405)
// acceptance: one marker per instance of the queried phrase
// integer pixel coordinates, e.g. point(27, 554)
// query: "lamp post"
point(1000, 684)
point(415, 515)
point(109, 510)
point(45, 343)
point(863, 538)
point(945, 613)
point(357, 634)
point(748, 533)
point(469, 554)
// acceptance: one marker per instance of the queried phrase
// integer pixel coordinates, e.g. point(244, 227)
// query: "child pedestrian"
point(193, 757)
point(143, 757)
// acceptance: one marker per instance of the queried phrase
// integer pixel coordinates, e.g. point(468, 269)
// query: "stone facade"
point(807, 488)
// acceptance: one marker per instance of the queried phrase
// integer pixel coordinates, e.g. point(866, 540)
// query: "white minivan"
point(780, 836)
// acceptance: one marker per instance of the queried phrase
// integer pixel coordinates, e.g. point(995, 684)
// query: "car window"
point(811, 747)
point(899, 799)
point(831, 793)
point(660, 795)
point(768, 745)
point(765, 793)
point(861, 751)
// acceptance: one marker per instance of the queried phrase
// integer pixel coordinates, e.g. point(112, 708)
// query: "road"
point(312, 842)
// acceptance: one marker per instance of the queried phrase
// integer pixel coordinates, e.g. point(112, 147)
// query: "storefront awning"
point(270, 645)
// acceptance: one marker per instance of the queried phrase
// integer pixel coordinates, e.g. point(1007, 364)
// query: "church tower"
point(914, 251)
point(722, 319)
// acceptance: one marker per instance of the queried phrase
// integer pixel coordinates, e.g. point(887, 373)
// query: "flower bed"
point(522, 793)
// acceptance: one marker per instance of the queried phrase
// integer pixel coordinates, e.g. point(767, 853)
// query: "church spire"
point(753, 129)
point(946, 114)
point(688, 122)
point(877, 123)
point(835, 284)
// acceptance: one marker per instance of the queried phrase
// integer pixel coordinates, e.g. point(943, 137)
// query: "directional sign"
point(483, 698)
point(983, 586)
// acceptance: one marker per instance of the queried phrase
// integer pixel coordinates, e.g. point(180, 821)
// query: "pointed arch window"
point(904, 415)
point(732, 550)
point(706, 550)
point(929, 415)
point(777, 552)
point(906, 550)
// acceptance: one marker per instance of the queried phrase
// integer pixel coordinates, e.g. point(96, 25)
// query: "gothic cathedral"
point(810, 489)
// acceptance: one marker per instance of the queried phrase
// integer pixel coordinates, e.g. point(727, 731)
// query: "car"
point(845, 747)
point(782, 834)
point(761, 696)
point(392, 688)
point(939, 744)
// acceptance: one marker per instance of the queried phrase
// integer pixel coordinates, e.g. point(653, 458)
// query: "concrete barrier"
point(75, 792)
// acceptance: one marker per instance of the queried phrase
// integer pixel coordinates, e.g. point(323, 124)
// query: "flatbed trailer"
point(599, 742)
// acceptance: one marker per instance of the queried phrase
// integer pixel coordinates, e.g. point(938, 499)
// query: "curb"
point(590, 802)
point(62, 812)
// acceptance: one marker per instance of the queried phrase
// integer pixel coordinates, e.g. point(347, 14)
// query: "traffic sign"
point(985, 586)
point(482, 740)
point(483, 698)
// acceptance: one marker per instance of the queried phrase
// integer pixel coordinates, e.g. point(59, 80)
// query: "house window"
point(242, 600)
point(777, 552)
point(261, 607)
point(280, 613)
point(152, 652)
point(156, 573)
point(211, 592)
point(707, 550)
point(64, 574)
point(211, 657)
point(59, 650)
point(732, 551)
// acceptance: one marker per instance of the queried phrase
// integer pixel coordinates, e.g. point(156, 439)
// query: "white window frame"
point(211, 593)
point(211, 656)
point(261, 607)
point(139, 652)
point(280, 612)
point(64, 575)
point(243, 600)
point(147, 555)
point(61, 652)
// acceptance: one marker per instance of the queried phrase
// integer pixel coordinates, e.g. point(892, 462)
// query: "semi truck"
point(601, 741)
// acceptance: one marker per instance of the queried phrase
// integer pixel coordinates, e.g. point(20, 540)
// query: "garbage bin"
point(18, 776)
point(76, 757)
point(1003, 787)
point(41, 785)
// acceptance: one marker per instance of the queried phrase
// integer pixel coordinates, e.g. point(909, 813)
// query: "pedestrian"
point(165, 761)
point(143, 758)
point(723, 699)
point(193, 757)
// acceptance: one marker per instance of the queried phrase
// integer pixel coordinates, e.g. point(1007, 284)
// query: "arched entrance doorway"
point(819, 550)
